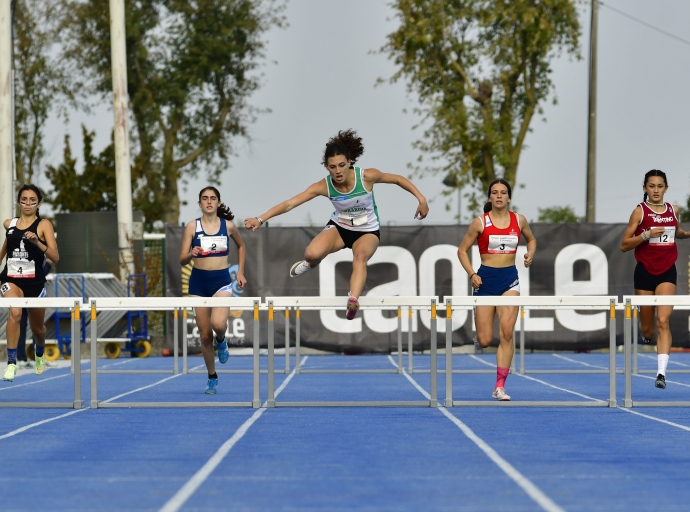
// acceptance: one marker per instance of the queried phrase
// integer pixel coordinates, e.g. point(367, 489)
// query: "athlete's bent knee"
point(662, 324)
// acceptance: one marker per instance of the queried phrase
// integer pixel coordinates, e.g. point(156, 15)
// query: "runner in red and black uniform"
point(652, 232)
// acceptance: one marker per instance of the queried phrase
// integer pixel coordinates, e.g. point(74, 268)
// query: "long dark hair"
point(34, 189)
point(223, 211)
point(346, 143)
point(653, 172)
point(487, 205)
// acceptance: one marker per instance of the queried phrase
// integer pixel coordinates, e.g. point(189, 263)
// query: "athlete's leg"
point(362, 251)
point(323, 244)
point(663, 342)
point(15, 315)
point(203, 322)
point(219, 317)
point(507, 316)
point(646, 324)
point(484, 323)
point(38, 328)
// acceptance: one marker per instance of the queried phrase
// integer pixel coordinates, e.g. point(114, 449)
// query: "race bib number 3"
point(668, 237)
point(503, 244)
point(20, 268)
point(213, 244)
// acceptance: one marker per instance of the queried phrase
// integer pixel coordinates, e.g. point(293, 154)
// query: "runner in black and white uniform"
point(355, 222)
point(29, 241)
point(206, 242)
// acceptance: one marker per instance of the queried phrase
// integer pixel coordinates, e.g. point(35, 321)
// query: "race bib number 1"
point(668, 237)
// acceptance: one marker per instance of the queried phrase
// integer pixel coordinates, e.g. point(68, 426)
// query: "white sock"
point(662, 361)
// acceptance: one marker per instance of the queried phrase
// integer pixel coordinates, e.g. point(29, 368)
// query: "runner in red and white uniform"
point(497, 233)
point(652, 232)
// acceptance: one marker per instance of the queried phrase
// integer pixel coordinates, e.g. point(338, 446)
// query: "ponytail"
point(487, 207)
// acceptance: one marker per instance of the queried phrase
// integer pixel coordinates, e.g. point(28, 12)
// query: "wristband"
point(473, 275)
point(261, 222)
point(644, 236)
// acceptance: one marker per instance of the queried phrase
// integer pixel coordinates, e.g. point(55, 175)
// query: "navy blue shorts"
point(206, 283)
point(497, 281)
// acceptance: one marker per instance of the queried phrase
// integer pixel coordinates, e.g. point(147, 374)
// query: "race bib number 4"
point(503, 244)
point(21, 268)
point(668, 237)
point(213, 244)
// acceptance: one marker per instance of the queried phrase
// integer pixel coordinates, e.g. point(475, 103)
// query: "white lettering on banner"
point(238, 328)
point(329, 318)
point(427, 284)
point(531, 324)
point(565, 284)
point(405, 285)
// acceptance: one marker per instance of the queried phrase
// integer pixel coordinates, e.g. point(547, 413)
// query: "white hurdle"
point(533, 302)
point(171, 304)
point(74, 305)
point(631, 303)
point(365, 302)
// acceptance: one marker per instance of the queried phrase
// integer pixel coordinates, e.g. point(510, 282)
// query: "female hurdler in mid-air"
point(355, 222)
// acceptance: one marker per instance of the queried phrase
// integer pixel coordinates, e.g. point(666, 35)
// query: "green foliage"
point(93, 189)
point(481, 69)
point(191, 67)
point(684, 211)
point(559, 214)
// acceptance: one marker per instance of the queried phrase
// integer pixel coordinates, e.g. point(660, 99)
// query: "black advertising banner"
point(571, 259)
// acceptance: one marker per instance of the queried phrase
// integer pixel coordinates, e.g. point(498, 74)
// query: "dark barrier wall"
point(571, 259)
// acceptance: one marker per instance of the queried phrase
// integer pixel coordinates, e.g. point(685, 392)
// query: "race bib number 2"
point(668, 237)
point(213, 244)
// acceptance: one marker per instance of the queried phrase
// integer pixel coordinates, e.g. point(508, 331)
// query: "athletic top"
point(658, 254)
point(493, 240)
point(211, 245)
point(356, 209)
point(25, 261)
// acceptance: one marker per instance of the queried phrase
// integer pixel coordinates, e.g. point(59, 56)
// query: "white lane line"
point(670, 361)
point(654, 418)
point(188, 489)
point(149, 386)
point(579, 362)
point(57, 376)
point(667, 381)
point(523, 482)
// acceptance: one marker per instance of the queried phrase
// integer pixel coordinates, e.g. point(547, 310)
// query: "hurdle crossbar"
point(174, 304)
point(631, 303)
point(74, 305)
point(366, 302)
point(543, 302)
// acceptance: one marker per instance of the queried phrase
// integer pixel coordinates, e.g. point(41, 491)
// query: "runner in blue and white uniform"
point(354, 222)
point(30, 240)
point(206, 242)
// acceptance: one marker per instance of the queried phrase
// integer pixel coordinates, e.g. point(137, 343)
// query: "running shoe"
point(24, 365)
point(352, 308)
point(51, 364)
point(40, 364)
point(211, 386)
point(500, 395)
point(477, 346)
point(223, 353)
point(10, 371)
point(299, 268)
point(660, 382)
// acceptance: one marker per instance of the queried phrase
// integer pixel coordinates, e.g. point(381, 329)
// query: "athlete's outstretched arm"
point(234, 233)
point(473, 232)
point(680, 233)
point(187, 252)
point(317, 189)
point(531, 241)
point(376, 176)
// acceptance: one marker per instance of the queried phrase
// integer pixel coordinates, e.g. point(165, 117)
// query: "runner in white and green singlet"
point(355, 222)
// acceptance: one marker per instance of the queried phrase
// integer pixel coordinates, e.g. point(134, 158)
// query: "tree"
point(481, 70)
point(559, 214)
point(38, 82)
point(190, 70)
point(93, 189)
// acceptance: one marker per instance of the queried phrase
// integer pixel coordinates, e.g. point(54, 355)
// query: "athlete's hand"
point(241, 281)
point(422, 210)
point(656, 232)
point(476, 281)
point(31, 237)
point(252, 223)
point(528, 259)
point(196, 252)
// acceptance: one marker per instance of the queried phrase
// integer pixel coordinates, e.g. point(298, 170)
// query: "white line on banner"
point(188, 489)
point(523, 482)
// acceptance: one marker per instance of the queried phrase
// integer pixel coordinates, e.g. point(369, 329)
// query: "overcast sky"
point(324, 80)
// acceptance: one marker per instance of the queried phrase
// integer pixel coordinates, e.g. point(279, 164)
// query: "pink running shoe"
point(352, 308)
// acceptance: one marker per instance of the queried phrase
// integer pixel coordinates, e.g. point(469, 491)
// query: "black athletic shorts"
point(645, 281)
point(350, 237)
point(30, 289)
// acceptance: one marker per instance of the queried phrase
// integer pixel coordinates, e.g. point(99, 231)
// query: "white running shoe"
point(299, 268)
point(477, 346)
point(500, 395)
point(23, 365)
point(10, 372)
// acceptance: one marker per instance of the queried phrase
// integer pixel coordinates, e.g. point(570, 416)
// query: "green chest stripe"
point(357, 191)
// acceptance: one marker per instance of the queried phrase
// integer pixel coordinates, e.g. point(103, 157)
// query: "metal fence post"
point(76, 358)
point(400, 361)
point(522, 340)
point(297, 340)
point(287, 340)
point(94, 349)
point(627, 401)
point(433, 402)
point(410, 347)
point(176, 341)
point(270, 402)
point(449, 354)
point(256, 401)
point(634, 339)
point(612, 355)
point(185, 341)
